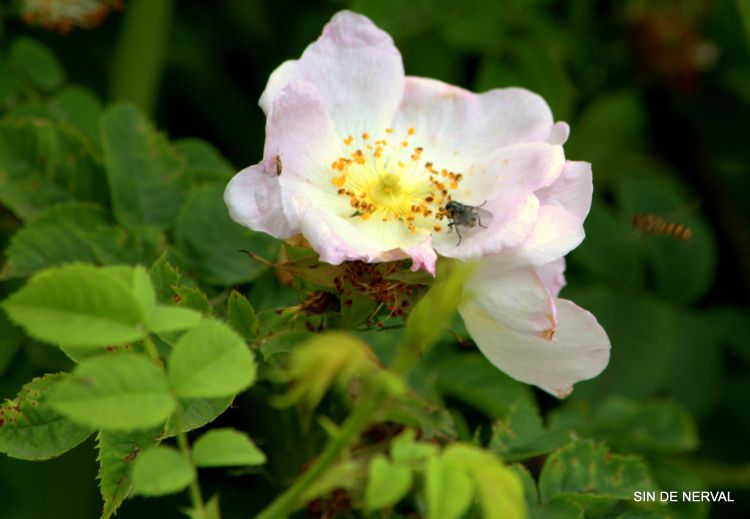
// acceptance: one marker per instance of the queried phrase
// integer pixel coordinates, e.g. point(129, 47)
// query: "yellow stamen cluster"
point(388, 179)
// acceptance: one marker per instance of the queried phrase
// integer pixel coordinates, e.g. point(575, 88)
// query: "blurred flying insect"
point(467, 216)
point(278, 165)
point(648, 223)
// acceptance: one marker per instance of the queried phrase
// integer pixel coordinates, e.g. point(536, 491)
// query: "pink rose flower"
point(363, 162)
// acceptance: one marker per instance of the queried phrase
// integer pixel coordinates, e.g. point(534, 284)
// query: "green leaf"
point(77, 305)
point(406, 451)
point(698, 374)
point(142, 289)
point(43, 163)
point(137, 245)
point(117, 453)
point(29, 109)
point(521, 434)
point(115, 392)
point(412, 410)
point(78, 354)
point(557, 510)
point(197, 412)
point(449, 492)
point(386, 483)
point(164, 278)
point(168, 319)
point(161, 470)
point(30, 429)
point(160, 318)
point(211, 241)
point(78, 107)
point(610, 129)
point(77, 231)
point(647, 514)
point(655, 338)
point(193, 297)
point(530, 492)
point(59, 235)
point(36, 64)
point(241, 316)
point(499, 488)
point(472, 379)
point(281, 342)
point(10, 86)
point(210, 360)
point(145, 174)
point(204, 162)
point(661, 426)
point(610, 251)
point(226, 448)
point(589, 473)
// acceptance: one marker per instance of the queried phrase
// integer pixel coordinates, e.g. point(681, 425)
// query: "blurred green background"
point(657, 94)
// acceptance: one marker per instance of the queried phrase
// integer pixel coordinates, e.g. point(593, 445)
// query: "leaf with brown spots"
point(30, 429)
point(117, 452)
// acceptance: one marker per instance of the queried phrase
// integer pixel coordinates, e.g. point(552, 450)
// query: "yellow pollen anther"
point(389, 182)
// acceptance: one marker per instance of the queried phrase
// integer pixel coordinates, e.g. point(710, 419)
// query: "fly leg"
point(479, 218)
point(452, 225)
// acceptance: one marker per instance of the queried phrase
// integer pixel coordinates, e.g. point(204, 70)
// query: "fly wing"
point(483, 214)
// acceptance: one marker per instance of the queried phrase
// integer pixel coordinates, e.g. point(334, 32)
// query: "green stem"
point(139, 54)
point(194, 489)
point(743, 6)
point(152, 351)
point(369, 402)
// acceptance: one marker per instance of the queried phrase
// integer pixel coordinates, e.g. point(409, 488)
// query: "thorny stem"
point(368, 403)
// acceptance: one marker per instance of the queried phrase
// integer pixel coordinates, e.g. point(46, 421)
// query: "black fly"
point(462, 215)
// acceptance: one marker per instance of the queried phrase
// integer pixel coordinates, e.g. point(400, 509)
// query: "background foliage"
point(656, 93)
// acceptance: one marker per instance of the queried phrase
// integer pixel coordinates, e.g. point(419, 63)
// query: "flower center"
point(387, 191)
point(389, 180)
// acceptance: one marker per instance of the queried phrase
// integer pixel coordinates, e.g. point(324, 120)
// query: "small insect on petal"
point(465, 216)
